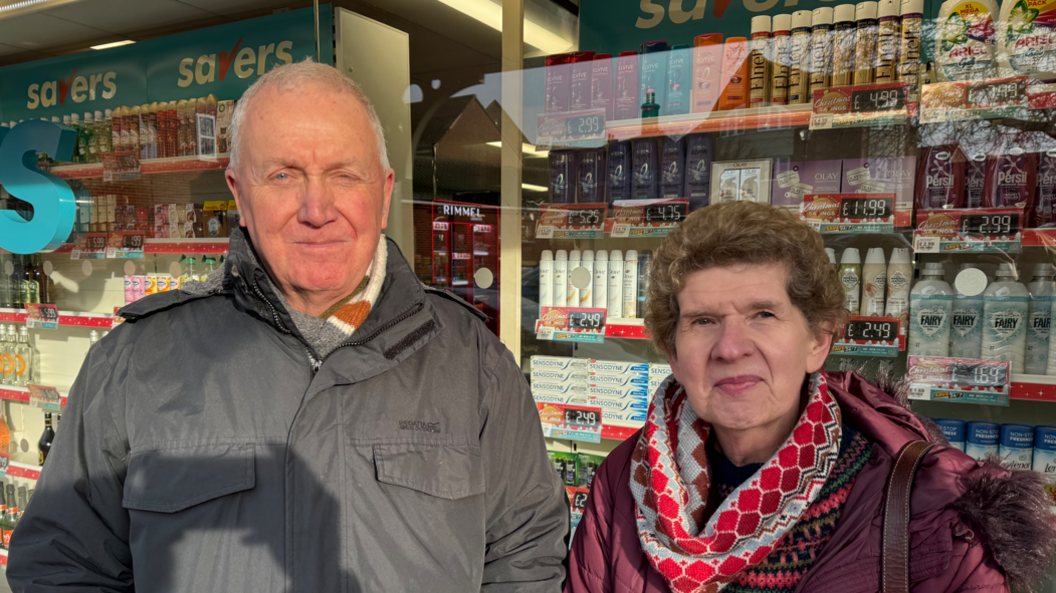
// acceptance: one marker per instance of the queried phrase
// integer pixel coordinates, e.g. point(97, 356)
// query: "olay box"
point(880, 175)
point(792, 181)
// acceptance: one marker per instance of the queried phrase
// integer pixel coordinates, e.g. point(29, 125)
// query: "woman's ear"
point(820, 347)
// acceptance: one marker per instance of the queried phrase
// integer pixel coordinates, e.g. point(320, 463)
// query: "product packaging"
point(1027, 36)
point(580, 88)
point(562, 167)
point(882, 175)
point(1045, 194)
point(955, 431)
point(759, 62)
point(699, 152)
point(908, 69)
point(1045, 454)
point(1011, 177)
point(586, 467)
point(646, 162)
point(940, 178)
point(561, 377)
point(673, 168)
point(565, 466)
point(627, 105)
point(558, 72)
point(679, 80)
point(558, 363)
point(653, 71)
point(1017, 446)
point(964, 40)
point(630, 285)
point(741, 180)
point(874, 283)
point(799, 70)
point(850, 276)
point(601, 85)
point(930, 309)
point(215, 219)
point(734, 94)
point(865, 16)
point(974, 179)
point(546, 280)
point(707, 72)
point(983, 440)
point(821, 49)
point(793, 181)
point(889, 39)
point(619, 165)
point(591, 172)
point(781, 59)
point(844, 36)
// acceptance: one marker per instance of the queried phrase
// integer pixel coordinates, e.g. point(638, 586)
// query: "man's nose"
point(734, 342)
point(317, 203)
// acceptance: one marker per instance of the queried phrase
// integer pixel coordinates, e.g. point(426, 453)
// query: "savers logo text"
point(245, 61)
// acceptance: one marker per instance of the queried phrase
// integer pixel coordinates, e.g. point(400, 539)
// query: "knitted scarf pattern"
point(670, 484)
point(352, 311)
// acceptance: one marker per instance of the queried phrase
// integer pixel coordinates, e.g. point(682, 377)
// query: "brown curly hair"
point(735, 233)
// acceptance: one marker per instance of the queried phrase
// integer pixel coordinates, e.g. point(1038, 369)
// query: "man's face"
point(743, 349)
point(311, 190)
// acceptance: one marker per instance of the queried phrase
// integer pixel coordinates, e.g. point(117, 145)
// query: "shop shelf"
point(1040, 388)
point(3, 558)
point(21, 394)
point(1039, 237)
point(23, 470)
point(66, 318)
point(757, 118)
point(633, 329)
point(147, 167)
point(620, 433)
point(186, 246)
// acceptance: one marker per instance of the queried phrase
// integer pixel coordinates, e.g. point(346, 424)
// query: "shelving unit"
point(178, 164)
point(758, 118)
point(66, 318)
point(21, 394)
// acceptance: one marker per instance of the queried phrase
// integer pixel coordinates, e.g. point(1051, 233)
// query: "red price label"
point(42, 316)
point(571, 221)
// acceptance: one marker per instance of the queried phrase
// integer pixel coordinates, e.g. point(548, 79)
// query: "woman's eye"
point(701, 321)
point(766, 315)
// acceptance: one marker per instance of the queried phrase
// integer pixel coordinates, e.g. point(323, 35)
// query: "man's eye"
point(281, 176)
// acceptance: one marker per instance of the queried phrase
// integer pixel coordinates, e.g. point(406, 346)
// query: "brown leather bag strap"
point(894, 559)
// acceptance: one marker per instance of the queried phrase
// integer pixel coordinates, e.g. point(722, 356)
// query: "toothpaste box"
point(560, 388)
point(879, 175)
point(619, 392)
point(641, 379)
point(609, 416)
point(792, 181)
point(618, 367)
point(570, 375)
point(559, 363)
point(621, 406)
point(658, 373)
point(557, 397)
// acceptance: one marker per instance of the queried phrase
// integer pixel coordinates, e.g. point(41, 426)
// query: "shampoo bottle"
point(582, 69)
point(653, 71)
point(679, 80)
point(557, 71)
point(759, 62)
point(646, 162)
point(850, 274)
point(673, 168)
point(615, 293)
point(619, 163)
point(1005, 312)
point(844, 36)
point(699, 152)
point(562, 165)
point(966, 323)
point(874, 273)
point(799, 69)
point(1039, 322)
point(931, 304)
point(734, 94)
point(601, 85)
point(591, 172)
point(626, 104)
point(707, 72)
point(781, 59)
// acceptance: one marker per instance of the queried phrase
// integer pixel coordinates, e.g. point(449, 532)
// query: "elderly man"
point(311, 418)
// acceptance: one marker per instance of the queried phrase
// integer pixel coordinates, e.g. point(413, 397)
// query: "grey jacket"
point(201, 451)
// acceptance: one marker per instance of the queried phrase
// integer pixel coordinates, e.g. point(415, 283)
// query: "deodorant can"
point(1045, 456)
point(983, 439)
point(955, 431)
point(630, 285)
point(1017, 446)
point(645, 262)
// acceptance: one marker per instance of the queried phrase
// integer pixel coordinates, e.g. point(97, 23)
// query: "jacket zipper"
point(313, 363)
point(385, 326)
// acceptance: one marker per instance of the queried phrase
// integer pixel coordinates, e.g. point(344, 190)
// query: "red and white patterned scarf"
point(670, 479)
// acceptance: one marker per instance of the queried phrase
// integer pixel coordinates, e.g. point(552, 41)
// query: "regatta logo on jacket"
point(420, 426)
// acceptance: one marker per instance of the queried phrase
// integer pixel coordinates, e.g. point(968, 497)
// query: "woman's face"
point(743, 349)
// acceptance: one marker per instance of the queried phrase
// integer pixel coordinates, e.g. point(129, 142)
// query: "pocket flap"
point(440, 470)
point(171, 480)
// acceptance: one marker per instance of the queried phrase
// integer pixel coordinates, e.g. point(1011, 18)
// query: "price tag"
point(860, 106)
point(980, 99)
point(960, 380)
point(45, 398)
point(571, 221)
point(569, 421)
point(869, 336)
point(576, 129)
point(121, 166)
point(42, 316)
point(125, 245)
point(648, 218)
point(568, 324)
point(850, 213)
point(90, 246)
point(978, 230)
point(577, 500)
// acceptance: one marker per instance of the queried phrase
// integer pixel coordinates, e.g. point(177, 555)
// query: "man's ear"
point(390, 184)
point(232, 184)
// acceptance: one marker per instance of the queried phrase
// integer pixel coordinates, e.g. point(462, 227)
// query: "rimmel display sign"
point(222, 60)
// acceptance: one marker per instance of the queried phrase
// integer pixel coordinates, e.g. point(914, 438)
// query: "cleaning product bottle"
point(966, 322)
point(850, 274)
point(832, 258)
point(1039, 320)
point(799, 60)
point(874, 273)
point(930, 308)
point(940, 177)
point(964, 40)
point(844, 36)
point(899, 276)
point(1027, 39)
point(821, 49)
point(1011, 175)
point(974, 178)
point(888, 41)
point(865, 42)
point(781, 59)
point(759, 62)
point(1045, 193)
point(1005, 309)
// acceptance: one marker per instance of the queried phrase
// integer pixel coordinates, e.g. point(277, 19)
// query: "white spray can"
point(560, 277)
point(546, 280)
point(571, 292)
point(601, 279)
point(586, 295)
point(630, 285)
point(615, 297)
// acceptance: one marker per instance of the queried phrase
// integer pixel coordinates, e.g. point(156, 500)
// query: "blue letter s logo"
point(54, 206)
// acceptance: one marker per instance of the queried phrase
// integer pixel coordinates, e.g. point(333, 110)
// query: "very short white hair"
point(292, 76)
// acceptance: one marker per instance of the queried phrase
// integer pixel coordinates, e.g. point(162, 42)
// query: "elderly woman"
point(757, 472)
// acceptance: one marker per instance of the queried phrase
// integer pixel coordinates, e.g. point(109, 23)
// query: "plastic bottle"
point(832, 258)
point(1017, 446)
point(940, 178)
point(908, 70)
point(615, 295)
point(679, 80)
point(75, 123)
point(546, 279)
point(627, 104)
point(646, 163)
point(645, 263)
point(821, 49)
point(983, 441)
point(1005, 310)
point(966, 322)
point(865, 42)
point(899, 277)
point(759, 62)
point(586, 295)
point(653, 71)
point(844, 37)
point(560, 277)
point(888, 41)
point(781, 58)
point(7, 355)
point(734, 94)
point(964, 40)
point(1026, 40)
point(850, 274)
point(1044, 211)
point(571, 292)
point(1011, 175)
point(23, 359)
point(601, 279)
point(799, 70)
point(707, 72)
point(874, 274)
point(1042, 289)
point(630, 285)
point(930, 309)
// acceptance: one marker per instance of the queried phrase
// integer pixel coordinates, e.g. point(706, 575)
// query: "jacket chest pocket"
point(446, 471)
point(172, 480)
